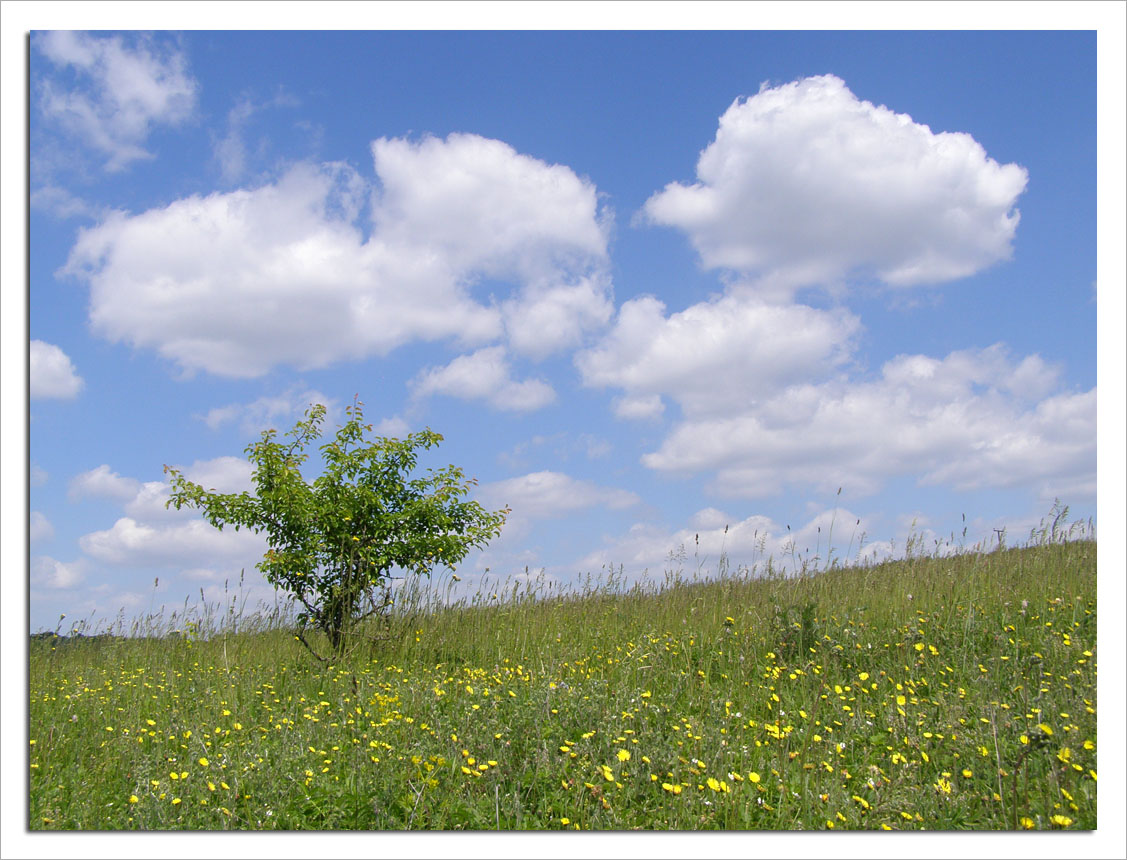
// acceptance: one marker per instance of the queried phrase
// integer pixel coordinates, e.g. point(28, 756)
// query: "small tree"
point(334, 542)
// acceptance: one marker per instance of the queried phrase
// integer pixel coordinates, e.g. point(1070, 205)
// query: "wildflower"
point(1027, 823)
point(565, 821)
point(608, 774)
point(753, 776)
point(623, 755)
point(1061, 820)
point(133, 798)
point(204, 762)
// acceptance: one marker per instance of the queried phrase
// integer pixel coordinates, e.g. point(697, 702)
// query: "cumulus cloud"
point(279, 411)
point(39, 528)
point(484, 375)
point(830, 535)
point(136, 544)
point(102, 483)
point(121, 91)
point(394, 427)
point(486, 208)
point(52, 372)
point(231, 150)
point(62, 204)
point(732, 349)
point(807, 184)
point(288, 273)
point(47, 572)
point(149, 535)
point(543, 495)
point(969, 421)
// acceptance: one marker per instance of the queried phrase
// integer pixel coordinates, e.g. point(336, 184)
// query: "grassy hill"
point(934, 692)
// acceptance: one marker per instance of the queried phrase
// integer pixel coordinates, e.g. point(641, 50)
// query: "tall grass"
point(940, 691)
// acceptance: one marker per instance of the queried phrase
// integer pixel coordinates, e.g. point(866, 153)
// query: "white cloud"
point(122, 91)
point(102, 482)
point(221, 474)
point(394, 427)
point(52, 372)
point(543, 495)
point(270, 411)
point(837, 535)
point(151, 536)
point(47, 572)
point(486, 208)
point(544, 320)
point(730, 350)
point(806, 184)
point(136, 544)
point(966, 421)
point(639, 406)
point(484, 375)
point(230, 150)
point(39, 528)
point(237, 283)
point(38, 475)
point(62, 204)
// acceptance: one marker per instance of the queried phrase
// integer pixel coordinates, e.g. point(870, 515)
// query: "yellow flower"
point(1061, 820)
point(608, 774)
point(204, 762)
point(753, 776)
point(565, 821)
point(714, 783)
point(133, 798)
point(624, 755)
point(1027, 823)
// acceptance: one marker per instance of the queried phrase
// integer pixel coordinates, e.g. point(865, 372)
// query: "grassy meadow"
point(936, 692)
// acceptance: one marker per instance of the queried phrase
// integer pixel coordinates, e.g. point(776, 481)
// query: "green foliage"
point(334, 541)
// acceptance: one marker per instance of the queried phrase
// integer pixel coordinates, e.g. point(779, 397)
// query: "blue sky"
point(652, 287)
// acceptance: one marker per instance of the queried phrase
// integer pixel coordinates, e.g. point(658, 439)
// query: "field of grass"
point(930, 693)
